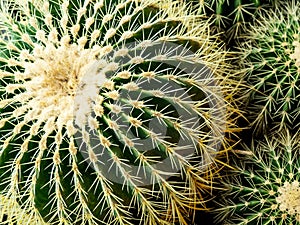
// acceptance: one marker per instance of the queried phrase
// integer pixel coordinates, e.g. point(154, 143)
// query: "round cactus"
point(231, 16)
point(111, 112)
point(265, 187)
point(271, 56)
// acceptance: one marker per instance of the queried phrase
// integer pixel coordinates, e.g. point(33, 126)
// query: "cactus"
point(93, 124)
point(265, 187)
point(271, 56)
point(231, 16)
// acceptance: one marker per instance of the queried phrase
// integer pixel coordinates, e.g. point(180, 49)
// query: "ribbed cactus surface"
point(271, 55)
point(102, 119)
point(232, 16)
point(265, 186)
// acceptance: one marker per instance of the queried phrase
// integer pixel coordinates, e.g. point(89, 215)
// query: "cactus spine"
point(76, 112)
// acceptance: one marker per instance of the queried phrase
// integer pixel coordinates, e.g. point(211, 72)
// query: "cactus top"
point(289, 199)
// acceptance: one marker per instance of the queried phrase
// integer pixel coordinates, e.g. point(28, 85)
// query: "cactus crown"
point(93, 112)
point(288, 199)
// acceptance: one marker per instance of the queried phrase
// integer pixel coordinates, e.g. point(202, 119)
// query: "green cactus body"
point(265, 187)
point(76, 113)
point(271, 56)
point(231, 16)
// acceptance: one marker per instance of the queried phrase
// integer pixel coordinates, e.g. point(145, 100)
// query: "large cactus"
point(271, 56)
point(265, 187)
point(107, 116)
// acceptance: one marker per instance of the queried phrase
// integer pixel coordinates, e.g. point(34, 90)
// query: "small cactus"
point(231, 16)
point(99, 122)
point(265, 187)
point(272, 59)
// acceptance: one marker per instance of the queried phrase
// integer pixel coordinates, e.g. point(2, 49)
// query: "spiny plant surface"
point(272, 59)
point(81, 94)
point(231, 16)
point(265, 186)
point(10, 206)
